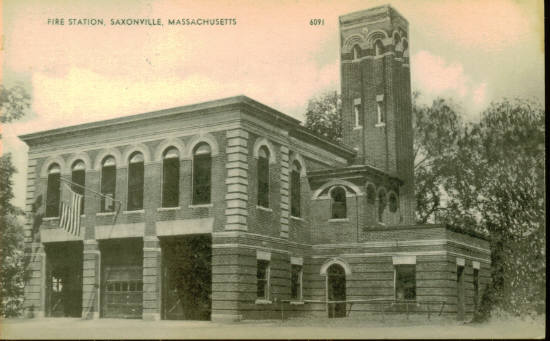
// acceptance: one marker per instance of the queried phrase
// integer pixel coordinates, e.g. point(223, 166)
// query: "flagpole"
point(87, 189)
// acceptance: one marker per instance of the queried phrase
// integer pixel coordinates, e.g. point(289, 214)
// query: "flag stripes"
point(70, 214)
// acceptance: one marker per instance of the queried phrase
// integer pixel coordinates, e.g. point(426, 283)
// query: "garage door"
point(123, 291)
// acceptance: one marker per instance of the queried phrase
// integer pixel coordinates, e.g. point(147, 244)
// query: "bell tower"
point(376, 95)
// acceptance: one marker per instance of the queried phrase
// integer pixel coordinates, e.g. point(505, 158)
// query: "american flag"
point(70, 214)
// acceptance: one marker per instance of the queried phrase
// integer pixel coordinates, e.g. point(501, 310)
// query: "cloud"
point(489, 25)
point(434, 76)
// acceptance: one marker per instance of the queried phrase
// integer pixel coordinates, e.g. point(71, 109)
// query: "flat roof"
point(241, 101)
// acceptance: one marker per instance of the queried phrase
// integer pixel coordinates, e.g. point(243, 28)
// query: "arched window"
point(393, 203)
point(378, 48)
point(356, 52)
point(263, 177)
point(295, 193)
point(108, 184)
point(336, 287)
point(371, 194)
point(170, 177)
point(396, 38)
point(202, 174)
point(53, 191)
point(339, 209)
point(135, 182)
point(78, 177)
point(381, 205)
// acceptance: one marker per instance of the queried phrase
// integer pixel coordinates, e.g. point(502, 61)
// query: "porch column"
point(91, 280)
point(151, 278)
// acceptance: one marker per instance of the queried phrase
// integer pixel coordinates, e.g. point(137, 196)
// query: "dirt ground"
point(67, 328)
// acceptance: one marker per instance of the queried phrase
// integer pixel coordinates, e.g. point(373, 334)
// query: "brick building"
point(231, 210)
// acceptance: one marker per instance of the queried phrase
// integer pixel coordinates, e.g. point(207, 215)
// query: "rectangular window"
point(358, 112)
point(405, 282)
point(476, 288)
point(296, 282)
point(53, 195)
point(262, 277)
point(108, 184)
point(202, 175)
point(170, 182)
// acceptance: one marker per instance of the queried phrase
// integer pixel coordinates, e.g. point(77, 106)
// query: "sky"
point(473, 51)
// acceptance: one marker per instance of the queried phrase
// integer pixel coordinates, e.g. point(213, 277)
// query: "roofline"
point(328, 172)
point(240, 100)
point(366, 12)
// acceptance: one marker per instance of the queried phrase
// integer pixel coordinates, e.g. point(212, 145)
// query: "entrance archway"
point(336, 290)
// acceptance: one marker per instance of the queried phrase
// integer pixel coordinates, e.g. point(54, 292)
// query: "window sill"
point(100, 214)
point(161, 209)
point(338, 220)
point(262, 301)
point(201, 205)
point(267, 209)
point(133, 212)
point(50, 218)
point(379, 125)
point(296, 302)
point(297, 218)
point(357, 127)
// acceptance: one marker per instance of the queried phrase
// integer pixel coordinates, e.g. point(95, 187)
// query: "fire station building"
point(230, 210)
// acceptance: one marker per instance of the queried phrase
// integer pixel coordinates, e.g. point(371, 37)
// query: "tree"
point(499, 181)
point(324, 116)
point(437, 130)
point(13, 104)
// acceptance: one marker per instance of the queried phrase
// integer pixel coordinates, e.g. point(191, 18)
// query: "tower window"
point(393, 203)
point(78, 177)
point(380, 114)
point(170, 178)
point(371, 194)
point(53, 192)
point(202, 174)
point(263, 177)
point(295, 195)
point(356, 52)
point(339, 209)
point(108, 184)
point(357, 112)
point(135, 182)
point(396, 38)
point(378, 48)
point(381, 205)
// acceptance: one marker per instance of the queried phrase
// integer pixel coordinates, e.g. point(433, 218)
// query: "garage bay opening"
point(122, 278)
point(187, 277)
point(64, 279)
